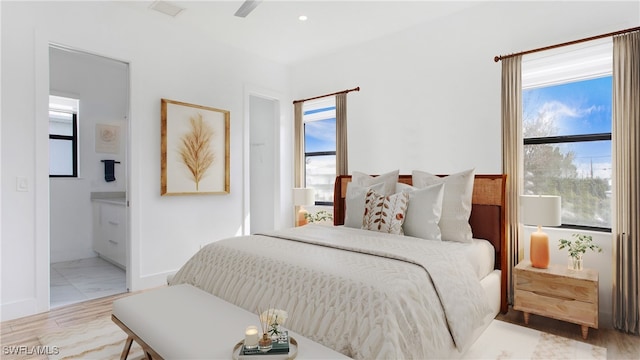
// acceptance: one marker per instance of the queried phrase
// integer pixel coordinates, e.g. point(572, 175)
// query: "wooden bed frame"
point(488, 216)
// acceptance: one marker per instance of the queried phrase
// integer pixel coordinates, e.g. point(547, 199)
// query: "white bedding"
point(363, 293)
point(480, 254)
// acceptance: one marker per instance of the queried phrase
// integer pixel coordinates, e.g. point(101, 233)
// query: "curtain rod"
point(335, 93)
point(498, 58)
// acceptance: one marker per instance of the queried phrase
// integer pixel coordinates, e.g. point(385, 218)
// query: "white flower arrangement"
point(272, 319)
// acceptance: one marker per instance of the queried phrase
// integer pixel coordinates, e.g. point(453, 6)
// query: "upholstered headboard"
point(488, 215)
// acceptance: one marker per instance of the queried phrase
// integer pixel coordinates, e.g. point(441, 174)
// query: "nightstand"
point(558, 293)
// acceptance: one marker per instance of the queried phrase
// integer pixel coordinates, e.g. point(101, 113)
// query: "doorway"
point(88, 210)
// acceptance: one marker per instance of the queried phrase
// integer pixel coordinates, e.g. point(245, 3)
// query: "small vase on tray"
point(264, 344)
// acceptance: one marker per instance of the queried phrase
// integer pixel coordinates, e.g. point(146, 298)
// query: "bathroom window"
point(63, 137)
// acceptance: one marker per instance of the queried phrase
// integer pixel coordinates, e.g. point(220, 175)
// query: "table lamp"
point(303, 197)
point(540, 210)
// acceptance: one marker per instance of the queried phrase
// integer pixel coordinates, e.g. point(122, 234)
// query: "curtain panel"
point(626, 172)
point(342, 158)
point(512, 157)
point(298, 145)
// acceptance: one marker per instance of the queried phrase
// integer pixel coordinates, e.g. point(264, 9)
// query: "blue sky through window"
point(582, 107)
point(320, 135)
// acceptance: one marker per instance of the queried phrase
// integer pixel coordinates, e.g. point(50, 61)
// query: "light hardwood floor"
point(618, 344)
point(25, 331)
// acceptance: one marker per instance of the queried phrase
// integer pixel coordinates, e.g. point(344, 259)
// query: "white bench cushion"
point(184, 322)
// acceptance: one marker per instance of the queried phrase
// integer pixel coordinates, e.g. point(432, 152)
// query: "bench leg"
point(127, 348)
point(149, 353)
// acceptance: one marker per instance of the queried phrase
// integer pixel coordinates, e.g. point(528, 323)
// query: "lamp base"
point(539, 249)
point(301, 219)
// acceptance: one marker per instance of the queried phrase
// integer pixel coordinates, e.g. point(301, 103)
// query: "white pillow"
point(354, 203)
point(403, 187)
point(456, 204)
point(389, 179)
point(424, 212)
point(385, 213)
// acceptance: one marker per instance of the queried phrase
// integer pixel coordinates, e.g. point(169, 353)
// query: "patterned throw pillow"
point(385, 213)
point(354, 203)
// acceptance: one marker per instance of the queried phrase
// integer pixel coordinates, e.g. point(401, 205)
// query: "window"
point(319, 118)
point(566, 126)
point(63, 137)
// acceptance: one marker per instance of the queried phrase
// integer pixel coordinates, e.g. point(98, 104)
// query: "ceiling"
point(274, 31)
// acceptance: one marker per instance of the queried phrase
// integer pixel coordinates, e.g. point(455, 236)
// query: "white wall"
point(102, 86)
point(165, 62)
point(430, 96)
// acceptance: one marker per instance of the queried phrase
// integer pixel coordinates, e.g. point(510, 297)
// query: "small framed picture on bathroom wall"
point(194, 149)
point(107, 139)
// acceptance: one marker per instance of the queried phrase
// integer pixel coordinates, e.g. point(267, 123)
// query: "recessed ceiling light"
point(302, 17)
point(166, 8)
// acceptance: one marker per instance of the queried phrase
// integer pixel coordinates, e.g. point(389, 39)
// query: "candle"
point(251, 337)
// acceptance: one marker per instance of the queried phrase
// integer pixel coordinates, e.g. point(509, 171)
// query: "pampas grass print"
point(195, 149)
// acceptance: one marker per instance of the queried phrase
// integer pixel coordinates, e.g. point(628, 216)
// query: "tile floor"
point(79, 280)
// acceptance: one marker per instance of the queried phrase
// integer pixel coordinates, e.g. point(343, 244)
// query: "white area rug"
point(98, 339)
point(102, 339)
point(503, 340)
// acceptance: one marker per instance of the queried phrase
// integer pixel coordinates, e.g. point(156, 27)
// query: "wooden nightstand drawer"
point(577, 312)
point(558, 286)
point(558, 293)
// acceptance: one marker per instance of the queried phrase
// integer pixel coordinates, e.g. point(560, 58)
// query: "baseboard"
point(605, 320)
point(71, 254)
point(151, 281)
point(18, 309)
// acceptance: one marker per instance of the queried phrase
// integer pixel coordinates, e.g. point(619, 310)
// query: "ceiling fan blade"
point(247, 7)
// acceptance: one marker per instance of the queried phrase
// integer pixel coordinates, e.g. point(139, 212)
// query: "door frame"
point(41, 182)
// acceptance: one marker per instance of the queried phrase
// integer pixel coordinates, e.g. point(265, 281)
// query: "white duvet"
point(363, 293)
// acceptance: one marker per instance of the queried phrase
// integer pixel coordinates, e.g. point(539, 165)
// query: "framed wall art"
point(107, 138)
point(195, 149)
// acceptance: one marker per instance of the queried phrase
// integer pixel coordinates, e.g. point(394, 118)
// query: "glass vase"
point(575, 262)
point(264, 344)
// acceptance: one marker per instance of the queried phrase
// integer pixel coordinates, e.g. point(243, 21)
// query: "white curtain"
point(626, 163)
point(512, 156)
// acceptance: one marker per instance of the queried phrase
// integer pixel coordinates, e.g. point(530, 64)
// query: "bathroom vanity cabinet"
point(109, 230)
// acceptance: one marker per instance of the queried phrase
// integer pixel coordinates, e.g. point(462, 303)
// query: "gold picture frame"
point(194, 149)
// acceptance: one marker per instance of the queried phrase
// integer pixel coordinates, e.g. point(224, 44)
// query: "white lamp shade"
point(304, 196)
point(542, 210)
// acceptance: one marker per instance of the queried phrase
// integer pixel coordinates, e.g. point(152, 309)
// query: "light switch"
point(22, 184)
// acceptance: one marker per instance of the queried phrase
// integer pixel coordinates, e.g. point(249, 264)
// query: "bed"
point(364, 293)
